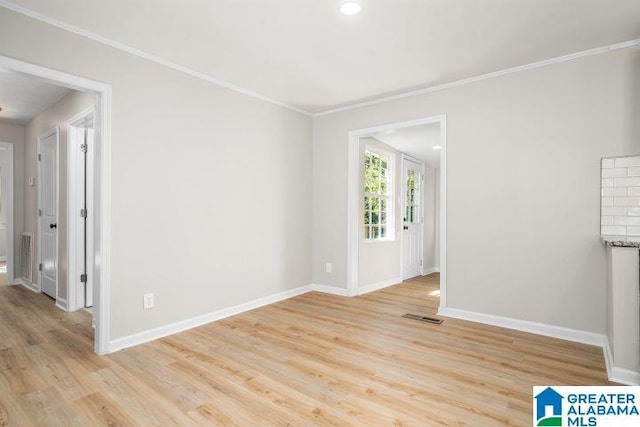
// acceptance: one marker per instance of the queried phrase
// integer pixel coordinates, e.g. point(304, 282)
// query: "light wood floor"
point(315, 359)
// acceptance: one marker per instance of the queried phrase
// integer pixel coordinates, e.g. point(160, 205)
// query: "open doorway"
point(397, 205)
point(61, 242)
point(6, 213)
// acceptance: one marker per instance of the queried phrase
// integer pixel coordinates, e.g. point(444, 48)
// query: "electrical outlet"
point(329, 267)
point(147, 301)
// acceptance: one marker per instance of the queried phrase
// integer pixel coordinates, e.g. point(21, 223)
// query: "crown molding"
point(456, 83)
point(150, 57)
point(209, 78)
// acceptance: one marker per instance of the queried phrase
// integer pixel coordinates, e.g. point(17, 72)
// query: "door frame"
point(8, 147)
point(102, 189)
point(76, 228)
point(60, 303)
point(403, 189)
point(353, 203)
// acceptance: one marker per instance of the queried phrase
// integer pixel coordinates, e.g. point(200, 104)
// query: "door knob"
point(406, 227)
point(52, 226)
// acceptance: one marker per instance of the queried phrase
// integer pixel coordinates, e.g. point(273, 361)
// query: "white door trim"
point(403, 189)
point(8, 147)
point(55, 131)
point(353, 200)
point(102, 246)
point(75, 228)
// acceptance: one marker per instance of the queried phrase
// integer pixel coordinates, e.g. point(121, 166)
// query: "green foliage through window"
point(377, 195)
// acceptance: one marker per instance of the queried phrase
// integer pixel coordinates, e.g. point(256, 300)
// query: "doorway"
point(6, 214)
point(98, 250)
point(413, 224)
point(80, 202)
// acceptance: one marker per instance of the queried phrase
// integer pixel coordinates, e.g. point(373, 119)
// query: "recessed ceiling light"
point(436, 147)
point(350, 8)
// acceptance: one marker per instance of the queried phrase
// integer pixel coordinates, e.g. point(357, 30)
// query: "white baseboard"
point(31, 286)
point(333, 290)
point(618, 375)
point(560, 332)
point(379, 285)
point(3, 258)
point(183, 325)
point(62, 304)
point(426, 271)
point(437, 269)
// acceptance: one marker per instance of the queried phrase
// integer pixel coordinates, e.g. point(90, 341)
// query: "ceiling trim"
point(533, 65)
point(150, 57)
point(209, 78)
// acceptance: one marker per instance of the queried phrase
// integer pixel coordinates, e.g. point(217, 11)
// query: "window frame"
point(389, 197)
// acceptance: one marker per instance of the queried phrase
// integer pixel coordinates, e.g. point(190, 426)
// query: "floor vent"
point(26, 256)
point(423, 318)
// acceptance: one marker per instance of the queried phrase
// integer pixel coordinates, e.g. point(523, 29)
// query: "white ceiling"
point(304, 53)
point(416, 141)
point(22, 98)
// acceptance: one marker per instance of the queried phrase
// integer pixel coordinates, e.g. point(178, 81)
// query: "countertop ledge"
point(620, 243)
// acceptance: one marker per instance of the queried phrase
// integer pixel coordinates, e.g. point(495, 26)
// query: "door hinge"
point(83, 148)
point(83, 213)
point(83, 278)
point(39, 156)
point(39, 267)
point(39, 212)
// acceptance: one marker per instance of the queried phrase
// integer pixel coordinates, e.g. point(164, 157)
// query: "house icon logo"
point(549, 408)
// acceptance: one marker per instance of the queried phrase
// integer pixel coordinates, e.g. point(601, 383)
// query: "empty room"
point(330, 212)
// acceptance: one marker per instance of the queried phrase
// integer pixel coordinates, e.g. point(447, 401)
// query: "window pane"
point(383, 232)
point(375, 218)
point(366, 231)
point(367, 217)
point(375, 232)
point(383, 217)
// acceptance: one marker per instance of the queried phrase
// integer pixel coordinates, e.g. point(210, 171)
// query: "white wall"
point(55, 116)
point(523, 160)
point(14, 134)
point(379, 261)
point(429, 219)
point(211, 189)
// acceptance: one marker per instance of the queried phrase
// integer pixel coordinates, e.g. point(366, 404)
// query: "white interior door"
point(48, 212)
point(412, 219)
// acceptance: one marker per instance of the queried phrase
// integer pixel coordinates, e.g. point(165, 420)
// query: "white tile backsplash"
point(615, 230)
point(615, 192)
point(625, 162)
point(620, 197)
point(608, 163)
point(625, 220)
point(614, 173)
point(626, 182)
point(613, 210)
point(622, 201)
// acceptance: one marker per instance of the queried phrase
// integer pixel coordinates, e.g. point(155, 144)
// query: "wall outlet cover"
point(147, 301)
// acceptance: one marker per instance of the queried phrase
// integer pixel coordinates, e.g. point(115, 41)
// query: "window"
point(378, 189)
point(412, 204)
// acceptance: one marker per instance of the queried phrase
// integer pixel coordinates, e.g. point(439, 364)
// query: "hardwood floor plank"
point(315, 359)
